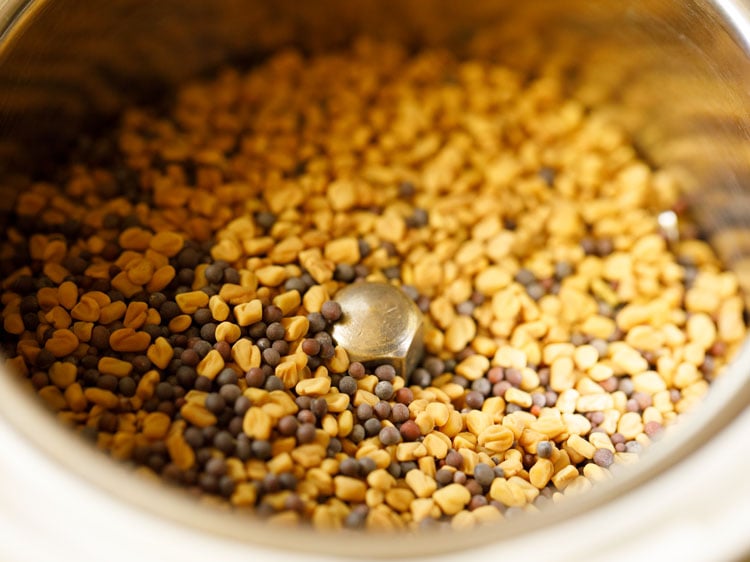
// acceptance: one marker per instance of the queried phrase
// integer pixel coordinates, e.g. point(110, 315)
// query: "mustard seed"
point(603, 457)
point(474, 399)
point(389, 435)
point(384, 390)
point(454, 459)
point(382, 410)
point(331, 311)
point(312, 347)
point(366, 466)
point(385, 372)
point(372, 427)
point(288, 425)
point(399, 413)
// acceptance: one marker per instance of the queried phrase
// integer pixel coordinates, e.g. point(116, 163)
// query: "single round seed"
point(484, 474)
point(288, 425)
point(305, 433)
point(372, 427)
point(389, 435)
point(544, 449)
point(348, 385)
point(474, 399)
point(357, 370)
point(410, 431)
point(399, 413)
point(454, 459)
point(385, 372)
point(604, 457)
point(311, 346)
point(384, 390)
point(349, 467)
point(331, 311)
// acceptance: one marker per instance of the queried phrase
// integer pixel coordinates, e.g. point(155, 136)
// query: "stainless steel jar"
point(675, 73)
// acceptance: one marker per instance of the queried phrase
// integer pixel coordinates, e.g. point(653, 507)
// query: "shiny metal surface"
point(675, 73)
point(380, 325)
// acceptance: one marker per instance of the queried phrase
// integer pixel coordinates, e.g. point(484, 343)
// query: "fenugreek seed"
point(147, 385)
point(507, 493)
point(564, 477)
point(197, 414)
point(257, 424)
point(295, 327)
point(114, 366)
point(135, 315)
point(629, 360)
point(246, 355)
point(496, 438)
point(128, 340)
point(167, 243)
point(181, 454)
point(452, 499)
point(562, 374)
point(104, 398)
point(630, 425)
point(343, 250)
point(650, 382)
point(309, 455)
point(288, 373)
point(135, 238)
point(317, 386)
point(160, 352)
point(249, 312)
point(13, 324)
point(161, 278)
point(399, 498)
point(219, 309)
point(228, 332)
point(477, 421)
point(581, 446)
point(53, 397)
point(436, 447)
point(191, 301)
point(336, 401)
point(314, 298)
point(349, 489)
point(595, 402)
point(439, 413)
point(410, 451)
point(63, 342)
point(211, 365)
point(458, 335)
point(320, 269)
point(421, 484)
point(585, 357)
point(67, 294)
point(87, 310)
point(63, 375)
point(271, 276)
point(288, 302)
point(156, 425)
point(75, 398)
point(140, 271)
point(111, 312)
point(518, 397)
point(541, 473)
point(473, 367)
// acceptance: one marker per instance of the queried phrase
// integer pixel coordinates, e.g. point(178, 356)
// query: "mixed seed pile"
point(171, 294)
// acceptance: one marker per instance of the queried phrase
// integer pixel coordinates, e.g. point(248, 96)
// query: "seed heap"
point(170, 293)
